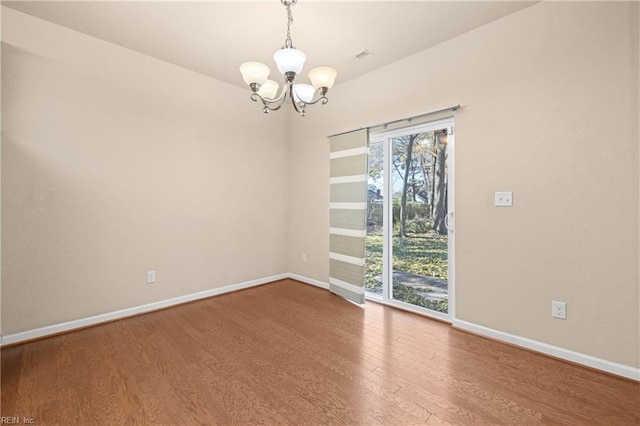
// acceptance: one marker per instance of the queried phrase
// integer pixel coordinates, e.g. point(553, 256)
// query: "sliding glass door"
point(409, 244)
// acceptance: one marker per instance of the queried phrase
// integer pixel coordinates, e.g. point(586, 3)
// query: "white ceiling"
point(215, 37)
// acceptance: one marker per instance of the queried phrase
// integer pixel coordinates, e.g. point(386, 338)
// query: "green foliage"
point(373, 262)
point(414, 210)
point(374, 217)
point(417, 226)
point(422, 254)
point(418, 217)
point(406, 294)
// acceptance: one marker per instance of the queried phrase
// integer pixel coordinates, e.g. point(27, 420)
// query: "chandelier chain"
point(288, 43)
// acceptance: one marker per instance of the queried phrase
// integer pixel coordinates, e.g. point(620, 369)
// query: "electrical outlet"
point(304, 257)
point(559, 309)
point(151, 277)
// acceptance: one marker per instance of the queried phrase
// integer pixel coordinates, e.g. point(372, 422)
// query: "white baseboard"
point(566, 354)
point(554, 351)
point(308, 281)
point(136, 310)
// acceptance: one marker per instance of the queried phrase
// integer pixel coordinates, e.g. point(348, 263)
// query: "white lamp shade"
point(303, 92)
point(269, 89)
point(323, 77)
point(254, 72)
point(289, 60)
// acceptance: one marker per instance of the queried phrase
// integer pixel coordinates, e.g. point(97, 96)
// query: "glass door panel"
point(409, 243)
point(418, 246)
point(375, 221)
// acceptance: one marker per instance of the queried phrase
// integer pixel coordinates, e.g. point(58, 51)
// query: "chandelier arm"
point(280, 99)
point(268, 103)
point(324, 100)
point(299, 110)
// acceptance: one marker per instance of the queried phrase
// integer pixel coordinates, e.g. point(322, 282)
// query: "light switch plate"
point(504, 199)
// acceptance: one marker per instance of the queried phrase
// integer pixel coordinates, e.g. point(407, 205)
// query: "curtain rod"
point(453, 108)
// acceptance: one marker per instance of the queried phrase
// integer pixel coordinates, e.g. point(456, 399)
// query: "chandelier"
point(289, 61)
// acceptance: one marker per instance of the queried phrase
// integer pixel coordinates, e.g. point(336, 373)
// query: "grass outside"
point(420, 254)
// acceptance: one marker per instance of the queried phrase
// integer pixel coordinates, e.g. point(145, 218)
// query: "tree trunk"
point(405, 187)
point(440, 193)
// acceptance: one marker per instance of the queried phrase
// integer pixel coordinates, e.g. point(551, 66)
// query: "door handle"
point(448, 221)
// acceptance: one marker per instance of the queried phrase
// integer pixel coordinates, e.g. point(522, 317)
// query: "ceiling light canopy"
point(289, 61)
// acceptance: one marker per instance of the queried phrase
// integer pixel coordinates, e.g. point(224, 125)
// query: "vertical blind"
point(347, 213)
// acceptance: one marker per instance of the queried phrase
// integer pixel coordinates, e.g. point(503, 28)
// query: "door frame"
point(385, 137)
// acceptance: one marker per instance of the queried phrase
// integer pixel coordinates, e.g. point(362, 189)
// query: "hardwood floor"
point(289, 353)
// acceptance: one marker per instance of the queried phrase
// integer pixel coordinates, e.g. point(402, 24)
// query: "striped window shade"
point(347, 214)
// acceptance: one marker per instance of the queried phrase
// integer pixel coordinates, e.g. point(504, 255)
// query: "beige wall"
point(114, 163)
point(550, 112)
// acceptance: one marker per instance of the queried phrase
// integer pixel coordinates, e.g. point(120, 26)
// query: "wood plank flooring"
point(289, 353)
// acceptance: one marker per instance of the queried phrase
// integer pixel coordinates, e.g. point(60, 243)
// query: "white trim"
point(349, 153)
point(554, 351)
point(136, 310)
point(387, 220)
point(347, 179)
point(353, 288)
point(435, 315)
point(358, 261)
point(385, 138)
point(587, 360)
point(348, 206)
point(348, 232)
point(307, 280)
point(451, 233)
